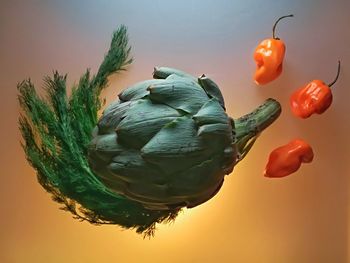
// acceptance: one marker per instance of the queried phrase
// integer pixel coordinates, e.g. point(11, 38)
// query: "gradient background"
point(302, 218)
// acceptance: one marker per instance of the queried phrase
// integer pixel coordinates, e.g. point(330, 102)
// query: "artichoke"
point(164, 144)
point(167, 142)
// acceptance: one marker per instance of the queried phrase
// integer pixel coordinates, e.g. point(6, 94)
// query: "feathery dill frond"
point(56, 131)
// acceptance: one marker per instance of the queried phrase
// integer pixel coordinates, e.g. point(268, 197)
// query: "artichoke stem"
point(249, 126)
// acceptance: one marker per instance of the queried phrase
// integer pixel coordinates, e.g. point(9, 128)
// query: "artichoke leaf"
point(110, 120)
point(229, 159)
point(138, 91)
point(131, 167)
point(182, 94)
point(105, 147)
point(176, 146)
point(203, 174)
point(143, 121)
point(108, 143)
point(244, 145)
point(137, 134)
point(111, 107)
point(146, 110)
point(212, 89)
point(210, 113)
point(165, 72)
point(215, 130)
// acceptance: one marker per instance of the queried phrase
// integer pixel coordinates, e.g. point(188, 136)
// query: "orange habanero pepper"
point(269, 55)
point(315, 97)
point(287, 159)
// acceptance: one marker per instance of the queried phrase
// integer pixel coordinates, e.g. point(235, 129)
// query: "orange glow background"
point(301, 218)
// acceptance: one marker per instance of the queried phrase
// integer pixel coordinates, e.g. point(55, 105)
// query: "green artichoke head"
point(168, 142)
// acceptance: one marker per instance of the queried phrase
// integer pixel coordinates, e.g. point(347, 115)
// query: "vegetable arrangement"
point(164, 144)
point(315, 97)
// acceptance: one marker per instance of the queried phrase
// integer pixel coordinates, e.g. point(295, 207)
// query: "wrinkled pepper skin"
point(268, 55)
point(288, 158)
point(315, 97)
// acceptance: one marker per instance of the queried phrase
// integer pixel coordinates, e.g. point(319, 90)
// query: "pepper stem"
point(274, 26)
point(336, 77)
point(249, 126)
